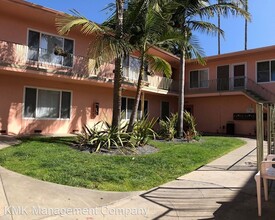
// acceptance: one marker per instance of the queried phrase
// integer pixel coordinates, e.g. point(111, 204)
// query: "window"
point(131, 68)
point(127, 105)
point(266, 71)
point(199, 79)
point(41, 103)
point(42, 47)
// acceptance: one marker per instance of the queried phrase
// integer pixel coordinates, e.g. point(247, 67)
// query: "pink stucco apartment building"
point(42, 92)
point(46, 93)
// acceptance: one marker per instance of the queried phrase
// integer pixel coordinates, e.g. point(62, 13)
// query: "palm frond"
point(154, 23)
point(66, 22)
point(224, 9)
point(171, 35)
point(205, 27)
point(194, 50)
point(159, 65)
point(105, 48)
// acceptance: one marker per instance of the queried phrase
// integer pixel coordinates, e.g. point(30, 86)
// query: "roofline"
point(166, 52)
point(237, 53)
point(36, 6)
point(55, 12)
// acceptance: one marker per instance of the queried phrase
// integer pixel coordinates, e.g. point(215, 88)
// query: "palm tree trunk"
point(138, 94)
point(181, 94)
point(118, 66)
point(245, 26)
point(219, 34)
point(117, 93)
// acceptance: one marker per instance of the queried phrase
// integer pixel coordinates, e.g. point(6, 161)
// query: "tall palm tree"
point(108, 45)
point(118, 66)
point(219, 34)
point(241, 3)
point(148, 31)
point(245, 26)
point(185, 20)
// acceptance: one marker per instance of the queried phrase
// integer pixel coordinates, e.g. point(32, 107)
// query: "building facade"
point(222, 95)
point(45, 92)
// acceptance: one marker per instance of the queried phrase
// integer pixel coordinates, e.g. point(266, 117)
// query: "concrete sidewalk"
point(222, 189)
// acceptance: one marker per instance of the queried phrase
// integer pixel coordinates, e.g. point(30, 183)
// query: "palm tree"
point(242, 3)
point(245, 26)
point(118, 66)
point(145, 25)
point(184, 19)
point(107, 46)
point(219, 34)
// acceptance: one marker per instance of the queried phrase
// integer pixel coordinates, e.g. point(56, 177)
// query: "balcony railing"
point(22, 56)
point(164, 83)
point(216, 85)
point(240, 83)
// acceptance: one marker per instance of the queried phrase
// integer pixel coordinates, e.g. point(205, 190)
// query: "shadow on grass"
point(51, 140)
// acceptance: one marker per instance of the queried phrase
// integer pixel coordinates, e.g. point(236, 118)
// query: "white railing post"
point(260, 133)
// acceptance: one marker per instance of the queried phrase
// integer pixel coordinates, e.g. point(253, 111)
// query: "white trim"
point(48, 33)
point(233, 73)
point(130, 97)
point(201, 69)
point(60, 102)
point(256, 71)
point(54, 35)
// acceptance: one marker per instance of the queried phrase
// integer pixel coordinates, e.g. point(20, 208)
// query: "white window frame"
point(256, 68)
point(126, 69)
point(199, 87)
point(36, 101)
point(129, 97)
point(54, 35)
point(245, 73)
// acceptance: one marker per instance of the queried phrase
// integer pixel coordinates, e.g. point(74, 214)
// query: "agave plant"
point(143, 131)
point(168, 127)
point(103, 136)
point(190, 123)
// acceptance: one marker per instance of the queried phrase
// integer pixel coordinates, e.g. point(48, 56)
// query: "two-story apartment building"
point(43, 91)
point(222, 95)
point(46, 92)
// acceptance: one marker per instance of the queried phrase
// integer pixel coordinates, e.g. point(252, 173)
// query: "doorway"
point(239, 76)
point(223, 78)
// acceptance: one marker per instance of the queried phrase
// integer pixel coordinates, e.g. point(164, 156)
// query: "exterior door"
point(239, 76)
point(165, 110)
point(223, 78)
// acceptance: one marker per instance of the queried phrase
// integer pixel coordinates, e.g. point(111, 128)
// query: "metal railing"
point(240, 83)
point(160, 82)
point(216, 85)
point(260, 90)
point(22, 56)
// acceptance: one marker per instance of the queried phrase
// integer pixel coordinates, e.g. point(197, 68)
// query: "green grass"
point(51, 159)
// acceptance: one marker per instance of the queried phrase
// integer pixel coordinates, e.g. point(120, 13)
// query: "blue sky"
point(261, 30)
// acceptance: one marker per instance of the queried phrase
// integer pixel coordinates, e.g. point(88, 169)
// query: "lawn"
point(51, 159)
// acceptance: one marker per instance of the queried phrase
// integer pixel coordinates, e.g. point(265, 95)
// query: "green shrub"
point(190, 126)
point(168, 127)
point(103, 136)
point(143, 131)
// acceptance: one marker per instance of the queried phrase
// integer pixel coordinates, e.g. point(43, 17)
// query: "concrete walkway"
point(222, 189)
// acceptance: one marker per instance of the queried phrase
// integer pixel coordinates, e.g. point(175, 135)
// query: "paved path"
point(222, 189)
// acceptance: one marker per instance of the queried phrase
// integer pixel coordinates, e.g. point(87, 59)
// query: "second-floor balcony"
point(216, 85)
point(223, 85)
point(62, 63)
